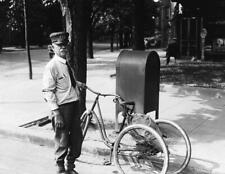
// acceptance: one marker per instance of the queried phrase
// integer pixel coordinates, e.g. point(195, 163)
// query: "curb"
point(28, 135)
point(90, 146)
point(45, 138)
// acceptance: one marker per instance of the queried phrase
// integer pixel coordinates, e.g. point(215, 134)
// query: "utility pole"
point(26, 38)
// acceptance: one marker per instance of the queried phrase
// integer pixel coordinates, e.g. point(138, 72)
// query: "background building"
point(191, 19)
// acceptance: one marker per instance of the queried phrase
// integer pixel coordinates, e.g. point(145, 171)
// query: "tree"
point(138, 25)
point(12, 21)
point(3, 20)
point(15, 21)
point(75, 15)
point(111, 21)
point(90, 53)
point(101, 15)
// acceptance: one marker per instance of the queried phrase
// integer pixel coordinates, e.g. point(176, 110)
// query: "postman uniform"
point(62, 94)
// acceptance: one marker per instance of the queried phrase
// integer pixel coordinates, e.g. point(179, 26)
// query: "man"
point(61, 91)
point(172, 51)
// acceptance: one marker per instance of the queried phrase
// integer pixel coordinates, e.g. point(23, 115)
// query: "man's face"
point(60, 49)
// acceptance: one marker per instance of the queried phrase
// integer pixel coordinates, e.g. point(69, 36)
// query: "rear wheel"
point(178, 144)
point(139, 148)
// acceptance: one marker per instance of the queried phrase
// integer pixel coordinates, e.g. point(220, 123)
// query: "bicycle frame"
point(100, 122)
point(99, 118)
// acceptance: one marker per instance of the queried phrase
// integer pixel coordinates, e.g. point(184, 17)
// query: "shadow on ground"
point(210, 111)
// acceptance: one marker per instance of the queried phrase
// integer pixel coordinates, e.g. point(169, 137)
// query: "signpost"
point(26, 38)
point(203, 36)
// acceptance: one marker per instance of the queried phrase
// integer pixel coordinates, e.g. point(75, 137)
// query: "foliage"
point(3, 9)
point(48, 2)
point(151, 13)
point(15, 15)
point(107, 19)
point(105, 15)
point(112, 13)
point(39, 17)
point(119, 14)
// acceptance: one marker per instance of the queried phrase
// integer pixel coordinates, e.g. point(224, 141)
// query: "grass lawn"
point(200, 74)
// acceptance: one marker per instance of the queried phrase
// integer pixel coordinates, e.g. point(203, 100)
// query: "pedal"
point(116, 131)
point(164, 136)
point(107, 163)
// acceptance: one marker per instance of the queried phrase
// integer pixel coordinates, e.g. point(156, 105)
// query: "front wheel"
point(178, 144)
point(139, 148)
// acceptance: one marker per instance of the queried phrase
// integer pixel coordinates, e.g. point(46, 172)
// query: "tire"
point(84, 120)
point(178, 145)
point(134, 153)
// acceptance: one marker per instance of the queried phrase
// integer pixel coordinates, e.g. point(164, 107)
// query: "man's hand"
point(81, 85)
point(59, 123)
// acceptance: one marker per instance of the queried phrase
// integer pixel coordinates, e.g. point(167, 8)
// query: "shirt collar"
point(60, 59)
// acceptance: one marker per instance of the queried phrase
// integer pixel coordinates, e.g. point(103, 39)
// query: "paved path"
point(200, 111)
point(24, 158)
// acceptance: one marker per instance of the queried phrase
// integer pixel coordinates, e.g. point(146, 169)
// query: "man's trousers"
point(68, 140)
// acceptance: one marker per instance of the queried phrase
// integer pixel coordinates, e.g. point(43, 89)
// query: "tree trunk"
point(67, 21)
point(0, 44)
point(90, 53)
point(138, 34)
point(78, 11)
point(26, 39)
point(121, 38)
point(75, 15)
point(112, 32)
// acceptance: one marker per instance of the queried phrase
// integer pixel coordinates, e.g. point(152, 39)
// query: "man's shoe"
point(61, 170)
point(72, 172)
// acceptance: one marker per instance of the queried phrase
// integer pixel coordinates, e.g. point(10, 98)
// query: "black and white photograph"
point(112, 86)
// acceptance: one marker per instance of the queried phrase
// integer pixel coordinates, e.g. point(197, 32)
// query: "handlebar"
point(100, 94)
point(118, 99)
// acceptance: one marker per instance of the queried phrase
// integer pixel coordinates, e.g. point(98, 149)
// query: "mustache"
point(63, 49)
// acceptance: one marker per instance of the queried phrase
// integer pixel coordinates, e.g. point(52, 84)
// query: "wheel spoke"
point(138, 153)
